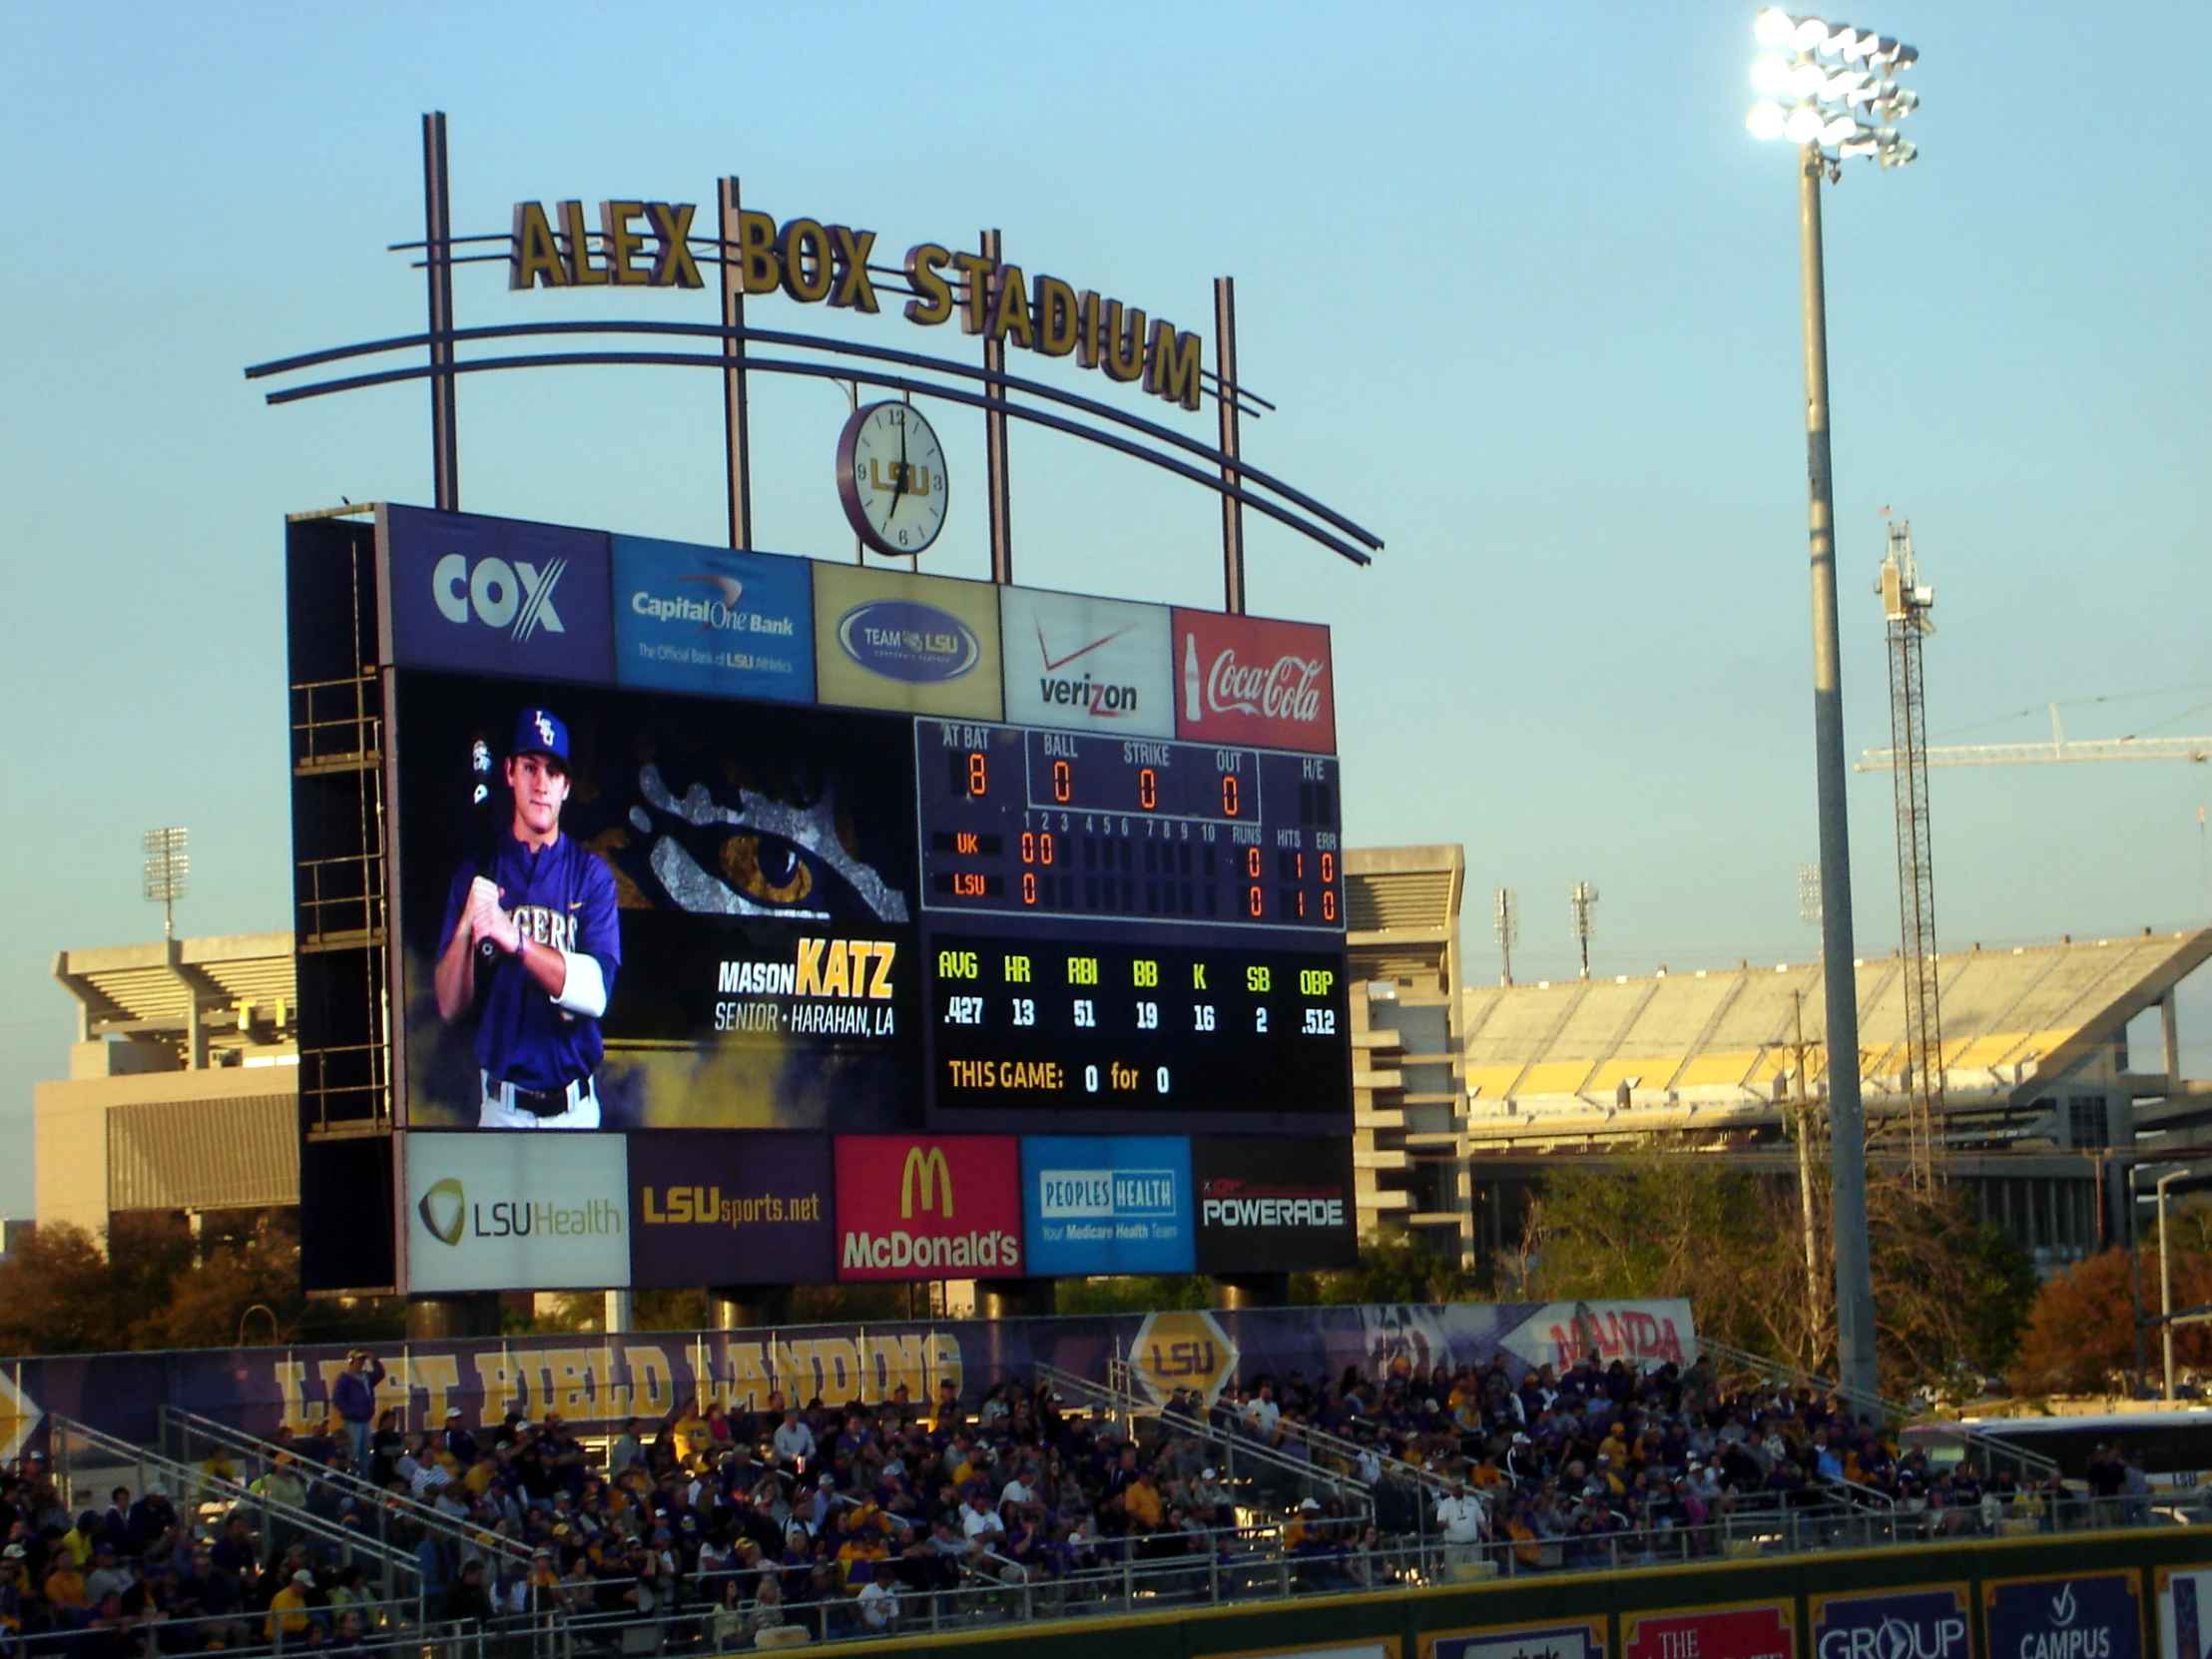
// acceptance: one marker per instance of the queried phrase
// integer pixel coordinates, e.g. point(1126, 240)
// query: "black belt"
point(549, 1103)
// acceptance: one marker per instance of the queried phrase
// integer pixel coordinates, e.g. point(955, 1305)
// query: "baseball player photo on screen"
point(625, 908)
point(532, 943)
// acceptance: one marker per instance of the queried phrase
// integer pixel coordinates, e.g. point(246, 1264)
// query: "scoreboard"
point(1129, 928)
point(939, 907)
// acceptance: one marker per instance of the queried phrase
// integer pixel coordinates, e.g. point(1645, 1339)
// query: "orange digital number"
point(1148, 789)
point(1063, 781)
point(1328, 905)
point(1251, 863)
point(1029, 847)
point(1029, 887)
point(1044, 848)
point(1329, 866)
point(1253, 899)
point(1230, 798)
point(978, 773)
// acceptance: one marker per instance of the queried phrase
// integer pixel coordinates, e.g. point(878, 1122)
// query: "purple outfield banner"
point(729, 1208)
point(598, 1380)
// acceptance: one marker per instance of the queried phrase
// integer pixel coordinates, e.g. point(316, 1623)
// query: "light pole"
point(1820, 80)
point(1583, 904)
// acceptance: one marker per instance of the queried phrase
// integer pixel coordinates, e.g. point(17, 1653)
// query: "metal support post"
point(736, 414)
point(2166, 1286)
point(994, 436)
point(438, 268)
point(1847, 1130)
point(1232, 510)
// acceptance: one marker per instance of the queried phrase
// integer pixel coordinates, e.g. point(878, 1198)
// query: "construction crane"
point(1906, 605)
point(2196, 750)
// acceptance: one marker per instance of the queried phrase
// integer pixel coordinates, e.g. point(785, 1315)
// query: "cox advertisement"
point(496, 595)
point(516, 1213)
point(2095, 1615)
point(1249, 679)
point(626, 910)
point(713, 621)
point(930, 1207)
point(1583, 1639)
point(1100, 1204)
point(1094, 665)
point(1902, 1624)
point(924, 645)
point(747, 1208)
point(1760, 1630)
point(1274, 1204)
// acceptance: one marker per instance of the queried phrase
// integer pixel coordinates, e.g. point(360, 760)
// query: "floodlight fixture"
point(1815, 80)
point(166, 865)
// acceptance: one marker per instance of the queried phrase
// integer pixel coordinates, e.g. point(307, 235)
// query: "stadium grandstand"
point(183, 1086)
point(1468, 1093)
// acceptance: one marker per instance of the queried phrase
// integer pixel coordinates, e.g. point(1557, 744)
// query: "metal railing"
point(87, 1461)
point(1243, 1459)
point(385, 1627)
point(190, 1438)
point(2032, 1466)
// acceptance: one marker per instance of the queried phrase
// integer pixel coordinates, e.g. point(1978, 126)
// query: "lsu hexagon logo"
point(1185, 1348)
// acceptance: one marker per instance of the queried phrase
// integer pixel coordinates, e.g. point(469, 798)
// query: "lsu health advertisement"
point(596, 1380)
point(731, 888)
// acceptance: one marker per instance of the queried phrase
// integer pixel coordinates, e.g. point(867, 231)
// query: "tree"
point(1393, 1267)
point(1950, 1289)
point(1135, 1295)
point(2080, 1335)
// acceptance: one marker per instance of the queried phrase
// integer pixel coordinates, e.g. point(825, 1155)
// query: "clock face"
point(891, 478)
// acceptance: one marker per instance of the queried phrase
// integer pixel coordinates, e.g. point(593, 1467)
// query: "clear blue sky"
point(1525, 291)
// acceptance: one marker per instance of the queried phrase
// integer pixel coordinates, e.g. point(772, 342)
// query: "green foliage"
point(1951, 1292)
point(1137, 1295)
point(1393, 1267)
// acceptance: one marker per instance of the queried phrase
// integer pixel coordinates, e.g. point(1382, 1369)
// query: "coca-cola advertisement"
point(1250, 680)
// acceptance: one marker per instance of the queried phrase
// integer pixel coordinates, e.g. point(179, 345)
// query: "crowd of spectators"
point(847, 1518)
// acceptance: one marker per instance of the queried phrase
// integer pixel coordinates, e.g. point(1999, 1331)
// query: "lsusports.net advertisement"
point(629, 910)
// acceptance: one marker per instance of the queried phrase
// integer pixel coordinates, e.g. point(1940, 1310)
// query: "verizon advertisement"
point(1091, 664)
point(1274, 1205)
point(928, 1207)
point(1248, 680)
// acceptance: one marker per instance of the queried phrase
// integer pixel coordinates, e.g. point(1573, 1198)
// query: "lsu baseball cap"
point(541, 732)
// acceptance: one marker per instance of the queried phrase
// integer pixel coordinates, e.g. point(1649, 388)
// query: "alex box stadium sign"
point(928, 1207)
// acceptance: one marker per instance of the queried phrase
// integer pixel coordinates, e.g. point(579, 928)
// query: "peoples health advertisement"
point(1099, 1204)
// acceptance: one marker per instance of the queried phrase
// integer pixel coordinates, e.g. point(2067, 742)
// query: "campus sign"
point(646, 244)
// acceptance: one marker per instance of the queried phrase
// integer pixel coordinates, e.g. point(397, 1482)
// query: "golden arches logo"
point(922, 1164)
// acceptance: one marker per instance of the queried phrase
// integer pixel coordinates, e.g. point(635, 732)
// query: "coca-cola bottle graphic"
point(1190, 676)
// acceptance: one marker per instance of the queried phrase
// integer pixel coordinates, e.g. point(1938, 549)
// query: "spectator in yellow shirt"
point(287, 1608)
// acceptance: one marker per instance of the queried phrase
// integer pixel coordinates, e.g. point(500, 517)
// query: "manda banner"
point(597, 1380)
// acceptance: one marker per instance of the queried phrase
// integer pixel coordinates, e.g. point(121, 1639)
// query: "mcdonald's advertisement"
point(928, 1207)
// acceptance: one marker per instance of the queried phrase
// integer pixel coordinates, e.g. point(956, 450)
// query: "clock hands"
point(899, 480)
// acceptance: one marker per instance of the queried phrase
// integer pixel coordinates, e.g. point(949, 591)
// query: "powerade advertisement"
point(713, 621)
point(1269, 1204)
point(627, 909)
point(2095, 1615)
point(1104, 1204)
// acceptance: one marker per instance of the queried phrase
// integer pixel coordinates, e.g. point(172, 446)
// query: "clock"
point(892, 479)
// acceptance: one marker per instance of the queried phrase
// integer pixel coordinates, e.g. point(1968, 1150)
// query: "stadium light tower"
point(165, 867)
point(1583, 901)
point(1509, 933)
point(1829, 89)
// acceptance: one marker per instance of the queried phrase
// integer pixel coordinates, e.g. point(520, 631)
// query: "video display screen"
point(739, 878)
